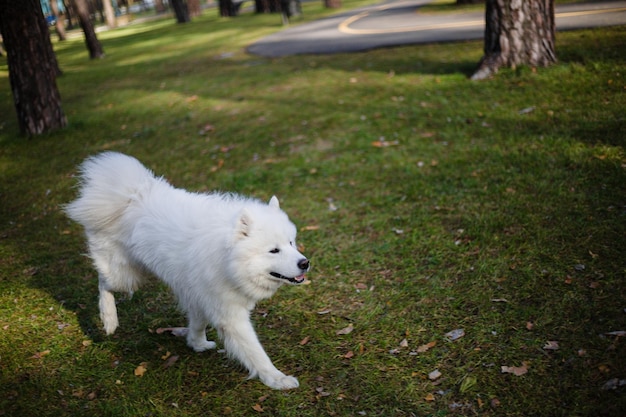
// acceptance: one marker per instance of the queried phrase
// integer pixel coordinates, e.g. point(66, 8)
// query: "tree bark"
point(332, 4)
point(194, 8)
point(93, 44)
point(517, 32)
point(267, 6)
point(33, 67)
point(228, 8)
point(181, 11)
point(159, 6)
point(69, 13)
point(59, 24)
point(109, 14)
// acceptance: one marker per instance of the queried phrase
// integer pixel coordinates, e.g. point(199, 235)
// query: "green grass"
point(475, 204)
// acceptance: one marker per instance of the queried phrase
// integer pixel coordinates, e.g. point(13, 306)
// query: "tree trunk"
point(69, 13)
point(267, 6)
point(181, 11)
point(32, 67)
point(517, 32)
point(228, 8)
point(159, 7)
point(59, 24)
point(332, 4)
point(93, 44)
point(109, 13)
point(194, 8)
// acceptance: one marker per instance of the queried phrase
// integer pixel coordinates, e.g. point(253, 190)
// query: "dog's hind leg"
point(115, 273)
point(196, 335)
point(108, 310)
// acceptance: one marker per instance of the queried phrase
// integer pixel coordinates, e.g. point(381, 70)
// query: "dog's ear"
point(274, 202)
point(244, 223)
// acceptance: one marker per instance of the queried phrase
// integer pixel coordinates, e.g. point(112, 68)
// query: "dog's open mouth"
point(294, 280)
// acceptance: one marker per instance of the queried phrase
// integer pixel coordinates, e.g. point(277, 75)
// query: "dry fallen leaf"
point(404, 343)
point(349, 355)
point(455, 334)
point(220, 164)
point(305, 341)
point(551, 345)
point(429, 397)
point(176, 331)
point(41, 354)
point(425, 347)
point(384, 144)
point(515, 370)
point(434, 375)
point(257, 408)
point(170, 361)
point(141, 369)
point(345, 330)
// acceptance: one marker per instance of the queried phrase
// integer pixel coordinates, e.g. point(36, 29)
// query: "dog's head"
point(265, 251)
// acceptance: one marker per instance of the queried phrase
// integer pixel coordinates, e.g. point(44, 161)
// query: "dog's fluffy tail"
point(108, 183)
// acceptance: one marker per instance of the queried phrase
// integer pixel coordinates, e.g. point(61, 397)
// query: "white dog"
point(220, 253)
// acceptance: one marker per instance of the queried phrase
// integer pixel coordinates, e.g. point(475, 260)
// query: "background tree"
point(194, 8)
point(33, 67)
point(59, 24)
point(109, 14)
point(84, 17)
point(159, 7)
point(332, 4)
point(517, 32)
point(181, 11)
point(228, 8)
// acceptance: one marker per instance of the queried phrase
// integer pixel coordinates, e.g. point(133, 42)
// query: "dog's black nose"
point(303, 264)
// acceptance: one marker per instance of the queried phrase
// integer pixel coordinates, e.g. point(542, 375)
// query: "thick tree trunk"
point(93, 44)
point(32, 67)
point(109, 14)
point(332, 4)
point(181, 11)
point(159, 6)
point(228, 8)
point(59, 24)
point(517, 32)
point(69, 13)
point(267, 6)
point(194, 8)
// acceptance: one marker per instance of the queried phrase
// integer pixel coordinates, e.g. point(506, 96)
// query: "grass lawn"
point(427, 203)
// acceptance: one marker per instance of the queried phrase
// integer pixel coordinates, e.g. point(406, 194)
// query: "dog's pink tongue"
point(299, 278)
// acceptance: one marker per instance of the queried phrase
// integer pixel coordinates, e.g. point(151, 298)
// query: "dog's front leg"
point(242, 343)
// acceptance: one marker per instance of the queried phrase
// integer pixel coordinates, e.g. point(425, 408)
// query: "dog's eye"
point(275, 250)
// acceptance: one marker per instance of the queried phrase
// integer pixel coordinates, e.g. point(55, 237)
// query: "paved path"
point(399, 22)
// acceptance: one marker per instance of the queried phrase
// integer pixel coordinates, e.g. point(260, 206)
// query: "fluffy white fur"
point(220, 253)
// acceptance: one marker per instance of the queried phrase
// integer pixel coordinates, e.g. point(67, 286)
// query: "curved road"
point(399, 22)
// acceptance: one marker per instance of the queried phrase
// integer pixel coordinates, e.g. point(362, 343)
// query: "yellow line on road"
point(344, 26)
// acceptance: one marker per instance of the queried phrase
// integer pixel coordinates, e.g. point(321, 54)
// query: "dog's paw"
point(280, 381)
point(202, 345)
point(110, 324)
